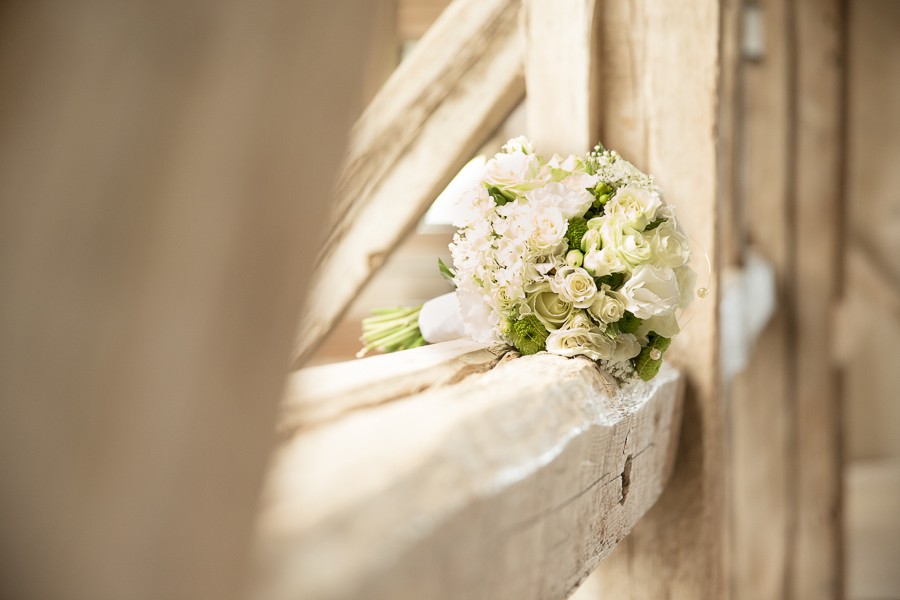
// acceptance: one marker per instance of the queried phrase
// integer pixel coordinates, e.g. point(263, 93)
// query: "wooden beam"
point(512, 484)
point(561, 75)
point(660, 65)
point(760, 401)
point(819, 55)
point(163, 174)
point(457, 85)
point(317, 395)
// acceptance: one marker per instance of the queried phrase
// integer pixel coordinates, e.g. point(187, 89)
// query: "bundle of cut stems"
point(391, 329)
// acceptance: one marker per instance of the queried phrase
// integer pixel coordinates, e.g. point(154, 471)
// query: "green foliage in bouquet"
point(529, 336)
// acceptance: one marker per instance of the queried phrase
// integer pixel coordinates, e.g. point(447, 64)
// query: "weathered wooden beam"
point(316, 395)
point(818, 183)
point(456, 86)
point(761, 411)
point(511, 484)
point(660, 64)
point(561, 75)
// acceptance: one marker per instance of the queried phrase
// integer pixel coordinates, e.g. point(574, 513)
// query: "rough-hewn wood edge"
point(514, 483)
point(456, 87)
point(320, 394)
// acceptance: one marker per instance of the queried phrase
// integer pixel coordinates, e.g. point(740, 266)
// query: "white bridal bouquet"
point(573, 256)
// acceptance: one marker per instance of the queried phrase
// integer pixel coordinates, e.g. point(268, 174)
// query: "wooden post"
point(660, 63)
point(761, 407)
point(561, 75)
point(818, 70)
point(164, 170)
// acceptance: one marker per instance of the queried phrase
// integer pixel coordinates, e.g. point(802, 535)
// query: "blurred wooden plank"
point(512, 484)
point(164, 170)
point(662, 115)
point(818, 179)
point(873, 231)
point(760, 399)
point(734, 231)
point(414, 17)
point(457, 85)
point(873, 529)
point(561, 75)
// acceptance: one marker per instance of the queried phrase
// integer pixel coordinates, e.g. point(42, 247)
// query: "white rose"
point(635, 205)
point(518, 144)
point(603, 262)
point(548, 228)
point(580, 340)
point(608, 307)
point(510, 170)
point(630, 244)
point(571, 202)
point(668, 246)
point(575, 285)
point(549, 307)
point(651, 291)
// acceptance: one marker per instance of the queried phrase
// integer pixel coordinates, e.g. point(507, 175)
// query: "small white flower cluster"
point(575, 256)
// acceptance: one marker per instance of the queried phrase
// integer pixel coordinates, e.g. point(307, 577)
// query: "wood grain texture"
point(456, 86)
point(873, 230)
point(662, 116)
point(163, 170)
point(512, 484)
point(818, 35)
point(317, 395)
point(760, 401)
point(561, 75)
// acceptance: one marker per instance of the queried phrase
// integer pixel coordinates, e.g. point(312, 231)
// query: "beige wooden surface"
point(562, 75)
point(761, 411)
point(662, 117)
point(872, 288)
point(317, 395)
point(873, 529)
point(164, 169)
point(443, 101)
point(818, 180)
point(509, 484)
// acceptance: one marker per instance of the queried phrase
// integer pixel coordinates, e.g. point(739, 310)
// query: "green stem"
point(391, 329)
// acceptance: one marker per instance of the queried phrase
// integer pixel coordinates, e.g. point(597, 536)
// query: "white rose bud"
point(548, 228)
point(607, 308)
point(575, 285)
point(590, 241)
point(572, 342)
point(574, 258)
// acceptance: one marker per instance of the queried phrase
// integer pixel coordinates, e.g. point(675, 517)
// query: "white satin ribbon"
point(441, 320)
